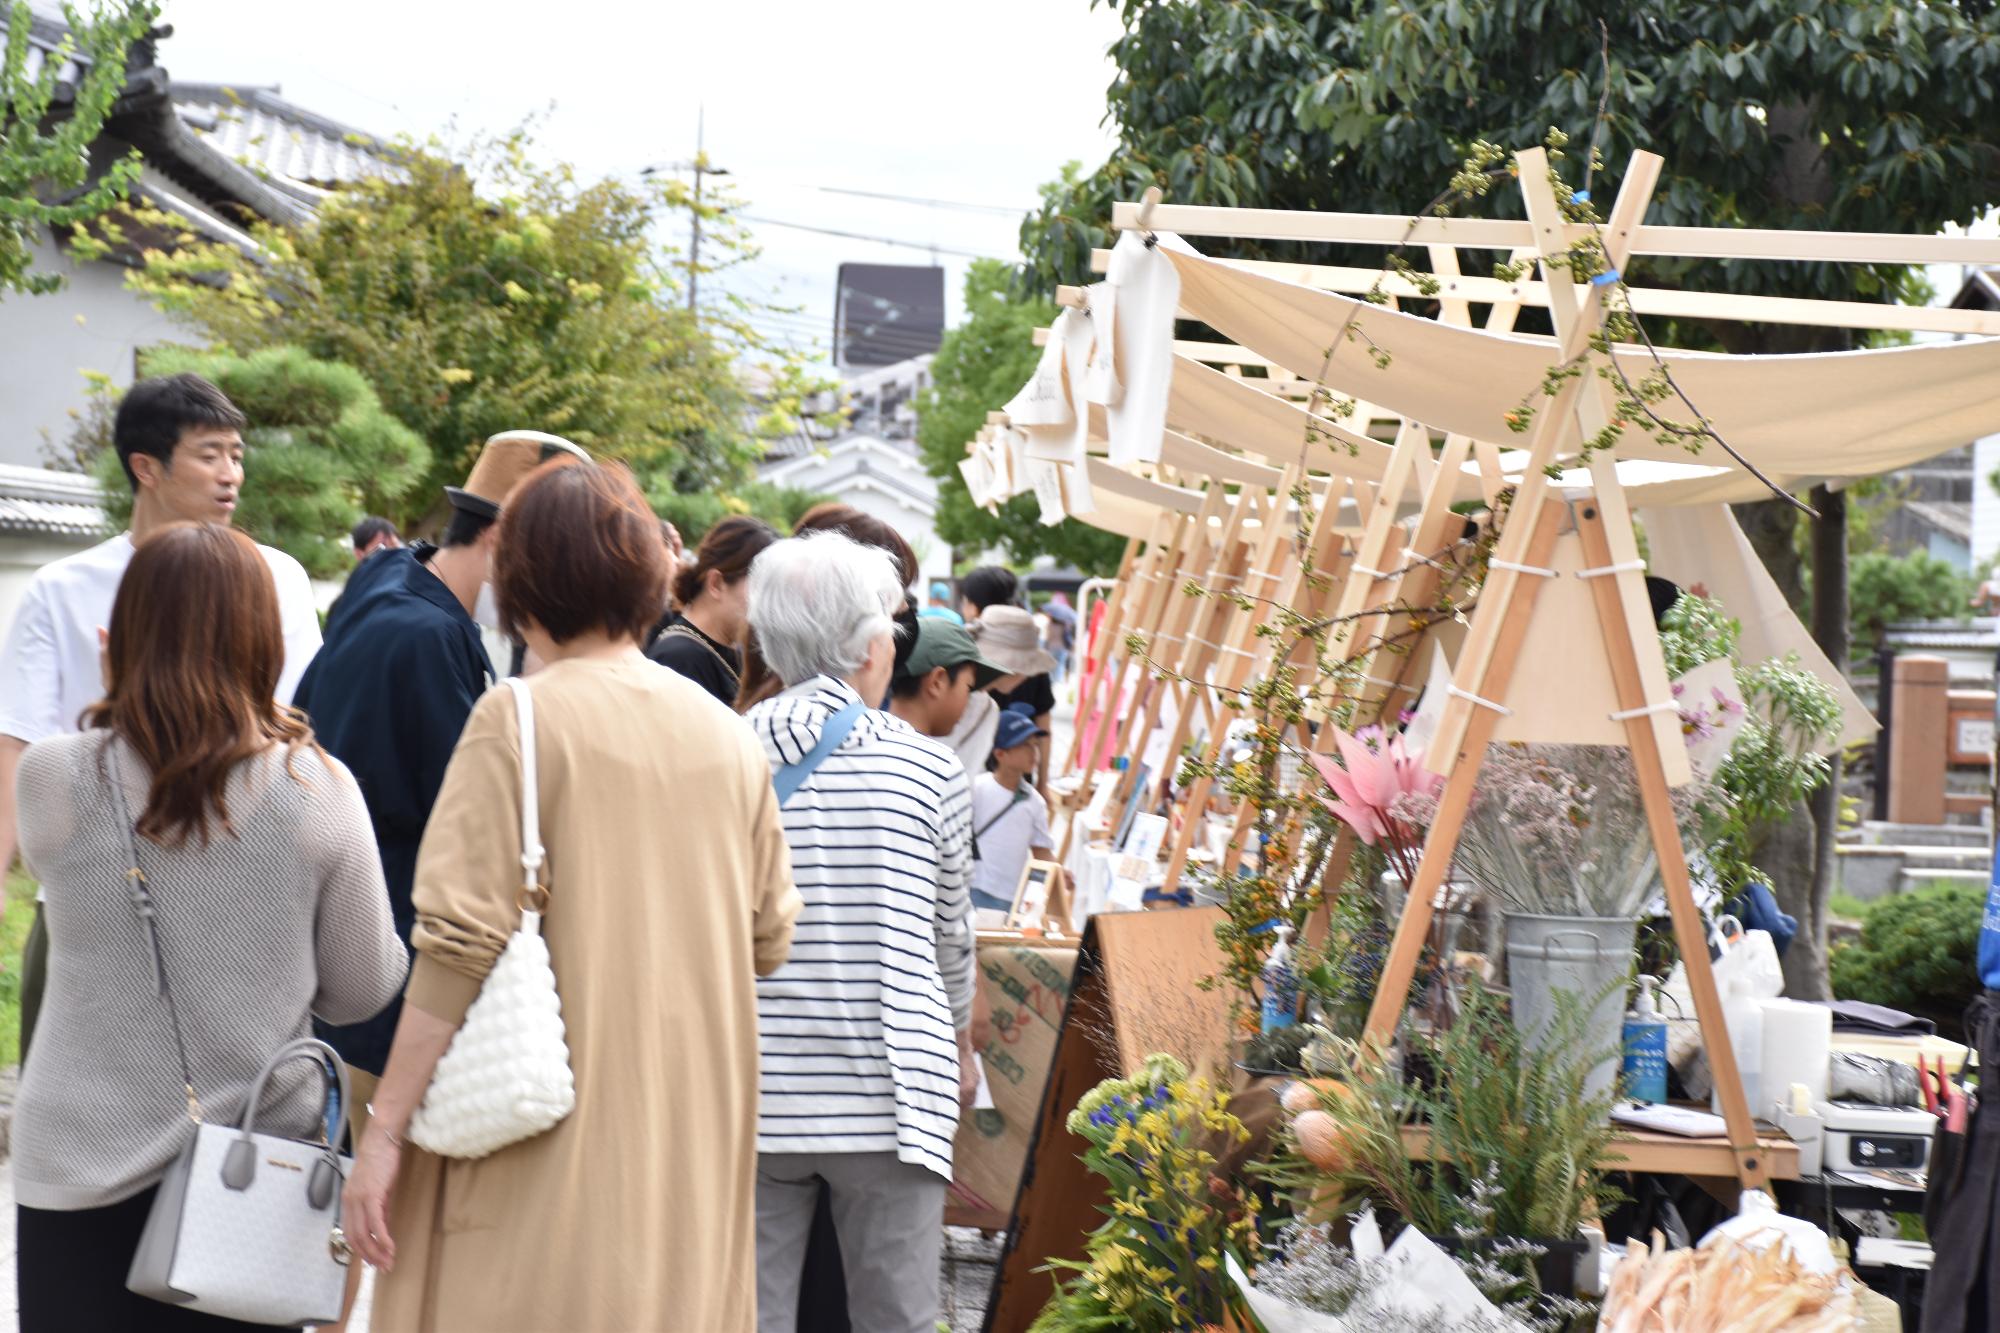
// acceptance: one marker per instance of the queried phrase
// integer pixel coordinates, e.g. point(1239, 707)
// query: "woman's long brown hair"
point(196, 649)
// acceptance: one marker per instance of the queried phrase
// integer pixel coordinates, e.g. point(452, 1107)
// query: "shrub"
point(1917, 952)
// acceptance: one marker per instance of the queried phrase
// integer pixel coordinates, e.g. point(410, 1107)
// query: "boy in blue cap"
point(1010, 820)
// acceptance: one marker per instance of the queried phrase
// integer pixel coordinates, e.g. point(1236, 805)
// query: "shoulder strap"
point(790, 777)
point(142, 907)
point(1020, 795)
point(531, 799)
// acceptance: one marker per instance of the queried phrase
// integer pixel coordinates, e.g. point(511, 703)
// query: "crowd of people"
point(774, 793)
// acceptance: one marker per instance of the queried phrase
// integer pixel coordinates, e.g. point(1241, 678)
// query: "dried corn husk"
point(1727, 1288)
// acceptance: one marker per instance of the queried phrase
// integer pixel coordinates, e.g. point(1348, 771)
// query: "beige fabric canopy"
point(1797, 418)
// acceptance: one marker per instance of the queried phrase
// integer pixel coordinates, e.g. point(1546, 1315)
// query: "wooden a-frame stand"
point(1477, 702)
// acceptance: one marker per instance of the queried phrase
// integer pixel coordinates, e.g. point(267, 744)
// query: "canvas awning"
point(1799, 418)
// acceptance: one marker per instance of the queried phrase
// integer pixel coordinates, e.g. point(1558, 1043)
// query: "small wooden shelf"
point(1654, 1153)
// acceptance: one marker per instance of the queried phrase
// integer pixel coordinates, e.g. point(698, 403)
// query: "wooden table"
point(1650, 1151)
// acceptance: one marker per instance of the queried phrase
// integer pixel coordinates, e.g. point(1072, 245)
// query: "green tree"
point(1918, 952)
point(1866, 115)
point(497, 293)
point(47, 127)
point(979, 365)
point(319, 451)
point(695, 512)
point(1884, 589)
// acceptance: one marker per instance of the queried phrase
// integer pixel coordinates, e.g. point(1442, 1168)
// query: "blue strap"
point(790, 777)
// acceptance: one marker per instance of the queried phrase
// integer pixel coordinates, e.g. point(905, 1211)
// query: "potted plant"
point(1514, 1145)
point(1157, 1262)
point(1557, 834)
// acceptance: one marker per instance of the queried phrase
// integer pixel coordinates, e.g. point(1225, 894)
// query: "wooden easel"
point(1500, 625)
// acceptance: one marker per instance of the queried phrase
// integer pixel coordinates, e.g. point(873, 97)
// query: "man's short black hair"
point(990, 585)
point(156, 412)
point(372, 528)
point(465, 527)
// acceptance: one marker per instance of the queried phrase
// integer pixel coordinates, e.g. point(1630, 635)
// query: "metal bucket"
point(1588, 956)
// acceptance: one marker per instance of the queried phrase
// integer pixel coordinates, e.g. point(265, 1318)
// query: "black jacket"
point(388, 695)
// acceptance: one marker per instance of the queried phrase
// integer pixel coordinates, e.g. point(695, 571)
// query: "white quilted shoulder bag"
point(506, 1076)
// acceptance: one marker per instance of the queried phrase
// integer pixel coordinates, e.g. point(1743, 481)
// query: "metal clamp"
point(1471, 698)
point(1629, 566)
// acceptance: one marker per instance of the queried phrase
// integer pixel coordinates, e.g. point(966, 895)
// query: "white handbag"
point(506, 1076)
point(245, 1226)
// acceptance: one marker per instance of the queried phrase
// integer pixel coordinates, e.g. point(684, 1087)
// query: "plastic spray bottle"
point(1645, 1064)
point(1281, 984)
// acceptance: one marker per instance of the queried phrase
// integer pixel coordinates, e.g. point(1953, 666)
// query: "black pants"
point(70, 1271)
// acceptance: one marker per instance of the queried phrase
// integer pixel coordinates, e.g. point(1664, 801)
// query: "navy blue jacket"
point(388, 695)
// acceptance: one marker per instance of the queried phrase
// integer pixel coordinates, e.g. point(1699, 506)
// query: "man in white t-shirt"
point(1010, 820)
point(181, 441)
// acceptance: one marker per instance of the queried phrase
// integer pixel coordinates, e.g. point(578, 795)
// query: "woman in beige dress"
point(670, 890)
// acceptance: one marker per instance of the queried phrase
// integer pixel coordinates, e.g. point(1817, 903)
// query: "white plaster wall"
point(47, 342)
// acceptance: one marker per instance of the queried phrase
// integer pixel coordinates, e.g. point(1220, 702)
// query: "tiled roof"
point(287, 143)
point(59, 504)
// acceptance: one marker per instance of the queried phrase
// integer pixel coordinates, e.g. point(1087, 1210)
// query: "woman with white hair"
point(865, 1057)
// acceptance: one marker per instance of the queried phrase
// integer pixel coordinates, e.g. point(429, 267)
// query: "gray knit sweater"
point(286, 919)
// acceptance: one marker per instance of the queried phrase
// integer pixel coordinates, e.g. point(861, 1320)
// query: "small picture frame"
point(1133, 805)
point(1042, 894)
point(1145, 836)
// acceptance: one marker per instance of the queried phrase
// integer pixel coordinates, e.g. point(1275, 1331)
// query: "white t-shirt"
point(51, 670)
point(1004, 839)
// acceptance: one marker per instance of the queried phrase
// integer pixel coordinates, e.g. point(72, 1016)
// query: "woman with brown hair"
point(638, 1209)
point(268, 902)
point(703, 640)
point(758, 682)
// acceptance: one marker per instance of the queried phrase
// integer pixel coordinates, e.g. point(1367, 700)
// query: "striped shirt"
point(857, 1032)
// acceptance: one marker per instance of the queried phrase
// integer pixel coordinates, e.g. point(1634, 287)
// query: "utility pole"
point(694, 240)
point(700, 167)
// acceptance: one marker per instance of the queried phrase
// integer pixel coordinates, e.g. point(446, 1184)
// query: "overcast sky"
point(968, 103)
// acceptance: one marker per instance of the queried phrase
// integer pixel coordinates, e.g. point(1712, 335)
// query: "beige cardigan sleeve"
point(777, 899)
point(469, 866)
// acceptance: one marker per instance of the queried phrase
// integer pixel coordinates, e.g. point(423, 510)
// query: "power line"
point(927, 203)
point(877, 240)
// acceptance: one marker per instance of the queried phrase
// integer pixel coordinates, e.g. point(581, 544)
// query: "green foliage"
point(1518, 1147)
point(1696, 630)
point(47, 129)
point(1773, 763)
point(1883, 589)
point(695, 512)
point(1918, 952)
point(1857, 115)
point(14, 926)
point(1341, 975)
point(495, 294)
point(319, 452)
point(980, 365)
point(1156, 1264)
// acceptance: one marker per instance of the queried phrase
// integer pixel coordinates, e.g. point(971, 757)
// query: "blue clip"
point(1579, 196)
point(1264, 928)
point(1605, 279)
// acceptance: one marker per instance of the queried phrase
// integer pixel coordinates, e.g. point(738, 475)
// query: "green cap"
point(940, 643)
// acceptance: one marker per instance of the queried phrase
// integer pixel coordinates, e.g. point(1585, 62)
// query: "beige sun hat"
point(503, 461)
point(1008, 638)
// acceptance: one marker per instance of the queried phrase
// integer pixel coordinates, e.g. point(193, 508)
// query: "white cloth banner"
point(1148, 295)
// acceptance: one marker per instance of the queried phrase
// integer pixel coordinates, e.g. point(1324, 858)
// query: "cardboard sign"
point(1027, 988)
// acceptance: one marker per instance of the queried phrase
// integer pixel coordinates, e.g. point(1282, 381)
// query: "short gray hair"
point(818, 601)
